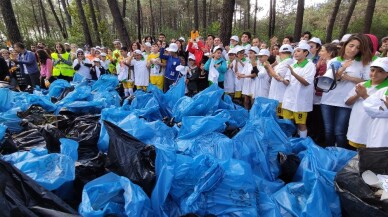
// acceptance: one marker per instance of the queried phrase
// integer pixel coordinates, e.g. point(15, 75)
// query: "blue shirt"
point(28, 60)
point(172, 62)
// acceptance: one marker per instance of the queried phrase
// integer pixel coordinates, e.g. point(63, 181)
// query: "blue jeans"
point(336, 121)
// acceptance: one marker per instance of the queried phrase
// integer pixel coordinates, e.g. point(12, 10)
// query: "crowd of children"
point(352, 114)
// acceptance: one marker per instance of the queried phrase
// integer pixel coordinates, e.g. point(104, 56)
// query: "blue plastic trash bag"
point(69, 147)
point(3, 128)
point(50, 171)
point(42, 101)
point(57, 87)
point(5, 99)
point(193, 126)
point(114, 195)
point(172, 96)
point(11, 120)
point(78, 78)
point(144, 105)
point(105, 83)
point(21, 156)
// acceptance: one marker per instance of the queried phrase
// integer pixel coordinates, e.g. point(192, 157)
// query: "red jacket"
point(198, 52)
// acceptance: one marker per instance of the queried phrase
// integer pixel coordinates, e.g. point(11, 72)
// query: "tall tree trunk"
point(299, 20)
point(68, 17)
point(270, 19)
point(348, 17)
point(152, 20)
point(227, 20)
point(160, 16)
point(210, 17)
point(124, 8)
point(64, 34)
point(85, 27)
point(35, 18)
point(255, 21)
point(94, 21)
point(62, 19)
point(196, 19)
point(329, 29)
point(13, 33)
point(97, 8)
point(248, 15)
point(204, 15)
point(139, 23)
point(273, 20)
point(118, 20)
point(45, 22)
point(370, 8)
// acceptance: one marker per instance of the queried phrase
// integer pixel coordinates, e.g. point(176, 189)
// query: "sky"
point(265, 5)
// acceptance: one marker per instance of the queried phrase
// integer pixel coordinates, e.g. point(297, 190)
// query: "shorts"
point(157, 81)
point(127, 84)
point(356, 145)
point(237, 94)
point(279, 110)
point(144, 88)
point(298, 117)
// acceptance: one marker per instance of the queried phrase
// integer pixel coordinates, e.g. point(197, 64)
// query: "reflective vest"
point(62, 68)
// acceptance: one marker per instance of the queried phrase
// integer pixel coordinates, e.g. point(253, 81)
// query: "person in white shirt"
point(298, 97)
point(238, 66)
point(142, 74)
point(245, 41)
point(359, 119)
point(124, 75)
point(260, 85)
point(105, 62)
point(229, 75)
point(354, 58)
point(278, 83)
point(82, 65)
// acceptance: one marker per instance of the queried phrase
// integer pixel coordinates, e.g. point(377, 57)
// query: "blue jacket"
point(30, 61)
point(221, 70)
point(172, 62)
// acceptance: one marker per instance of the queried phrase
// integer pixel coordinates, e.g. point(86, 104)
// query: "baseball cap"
point(66, 43)
point(217, 48)
point(147, 44)
point(232, 51)
point(79, 50)
point(234, 37)
point(182, 39)
point(315, 40)
point(303, 46)
point(286, 48)
point(96, 60)
point(172, 47)
point(255, 49)
point(385, 38)
point(335, 41)
point(103, 54)
point(138, 52)
point(264, 52)
point(239, 48)
point(345, 37)
point(191, 57)
point(381, 63)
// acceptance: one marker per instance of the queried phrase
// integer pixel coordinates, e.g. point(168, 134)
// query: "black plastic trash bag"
point(288, 166)
point(22, 196)
point(357, 198)
point(373, 159)
point(29, 139)
point(37, 115)
point(129, 157)
point(51, 134)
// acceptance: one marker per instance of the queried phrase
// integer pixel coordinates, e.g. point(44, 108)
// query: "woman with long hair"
point(46, 68)
point(63, 68)
point(354, 58)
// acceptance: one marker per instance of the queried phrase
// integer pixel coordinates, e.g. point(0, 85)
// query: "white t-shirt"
point(83, 70)
point(378, 111)
point(123, 72)
point(359, 120)
point(142, 75)
point(229, 80)
point(261, 83)
point(247, 47)
point(336, 97)
point(278, 88)
point(297, 97)
point(247, 82)
point(238, 83)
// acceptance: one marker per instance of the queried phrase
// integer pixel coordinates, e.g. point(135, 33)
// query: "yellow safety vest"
point(62, 68)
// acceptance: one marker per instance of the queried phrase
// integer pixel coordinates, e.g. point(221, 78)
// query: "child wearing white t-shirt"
point(142, 75)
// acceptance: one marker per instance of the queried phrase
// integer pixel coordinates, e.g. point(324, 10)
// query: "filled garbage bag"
point(357, 198)
point(112, 195)
point(288, 166)
point(105, 83)
point(52, 136)
point(129, 157)
point(57, 87)
point(5, 99)
point(29, 139)
point(374, 159)
point(22, 196)
point(3, 128)
point(21, 156)
point(197, 125)
point(11, 120)
point(37, 115)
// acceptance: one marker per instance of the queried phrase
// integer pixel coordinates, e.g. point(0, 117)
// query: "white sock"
point(126, 92)
point(130, 90)
point(303, 134)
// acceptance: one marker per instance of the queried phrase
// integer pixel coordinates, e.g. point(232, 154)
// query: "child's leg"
point(300, 120)
point(130, 91)
point(126, 92)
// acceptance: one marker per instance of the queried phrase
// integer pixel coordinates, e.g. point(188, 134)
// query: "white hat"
point(79, 50)
point(181, 69)
point(316, 40)
point(147, 44)
point(239, 48)
point(234, 37)
point(182, 39)
point(97, 50)
point(264, 52)
point(116, 41)
point(303, 46)
point(98, 47)
point(286, 48)
point(103, 54)
point(138, 52)
point(172, 47)
point(345, 37)
point(303, 41)
point(216, 48)
point(255, 49)
point(191, 57)
point(232, 51)
point(382, 63)
point(335, 41)
point(66, 43)
point(385, 38)
point(96, 60)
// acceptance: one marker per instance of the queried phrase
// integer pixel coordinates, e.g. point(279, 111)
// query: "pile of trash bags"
point(78, 149)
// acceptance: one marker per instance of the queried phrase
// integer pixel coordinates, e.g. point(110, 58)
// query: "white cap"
point(116, 41)
point(382, 63)
point(303, 41)
point(303, 46)
point(385, 38)
point(232, 51)
point(345, 37)
point(181, 69)
point(255, 49)
point(316, 40)
point(234, 37)
point(286, 48)
point(172, 47)
point(191, 57)
point(103, 54)
point(264, 52)
point(96, 60)
point(138, 52)
point(79, 50)
point(98, 47)
point(239, 48)
point(147, 44)
point(335, 41)
point(66, 43)
point(216, 48)
point(97, 50)
point(182, 39)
